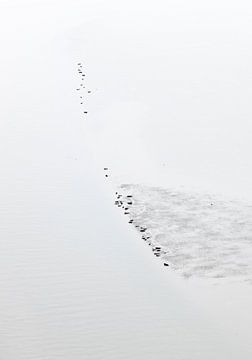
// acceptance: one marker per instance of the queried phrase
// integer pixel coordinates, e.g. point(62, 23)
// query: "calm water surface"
point(76, 282)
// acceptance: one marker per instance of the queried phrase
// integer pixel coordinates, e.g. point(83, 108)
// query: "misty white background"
point(170, 105)
point(172, 79)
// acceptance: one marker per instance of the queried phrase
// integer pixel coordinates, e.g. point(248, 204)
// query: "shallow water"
point(75, 282)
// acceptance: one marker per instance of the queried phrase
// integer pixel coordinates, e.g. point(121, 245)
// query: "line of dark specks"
point(81, 85)
point(126, 202)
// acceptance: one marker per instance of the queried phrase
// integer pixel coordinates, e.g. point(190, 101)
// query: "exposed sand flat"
point(197, 234)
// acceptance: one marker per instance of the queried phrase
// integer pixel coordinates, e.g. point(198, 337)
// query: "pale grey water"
point(75, 281)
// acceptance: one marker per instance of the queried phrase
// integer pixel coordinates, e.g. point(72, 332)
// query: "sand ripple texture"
point(194, 234)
